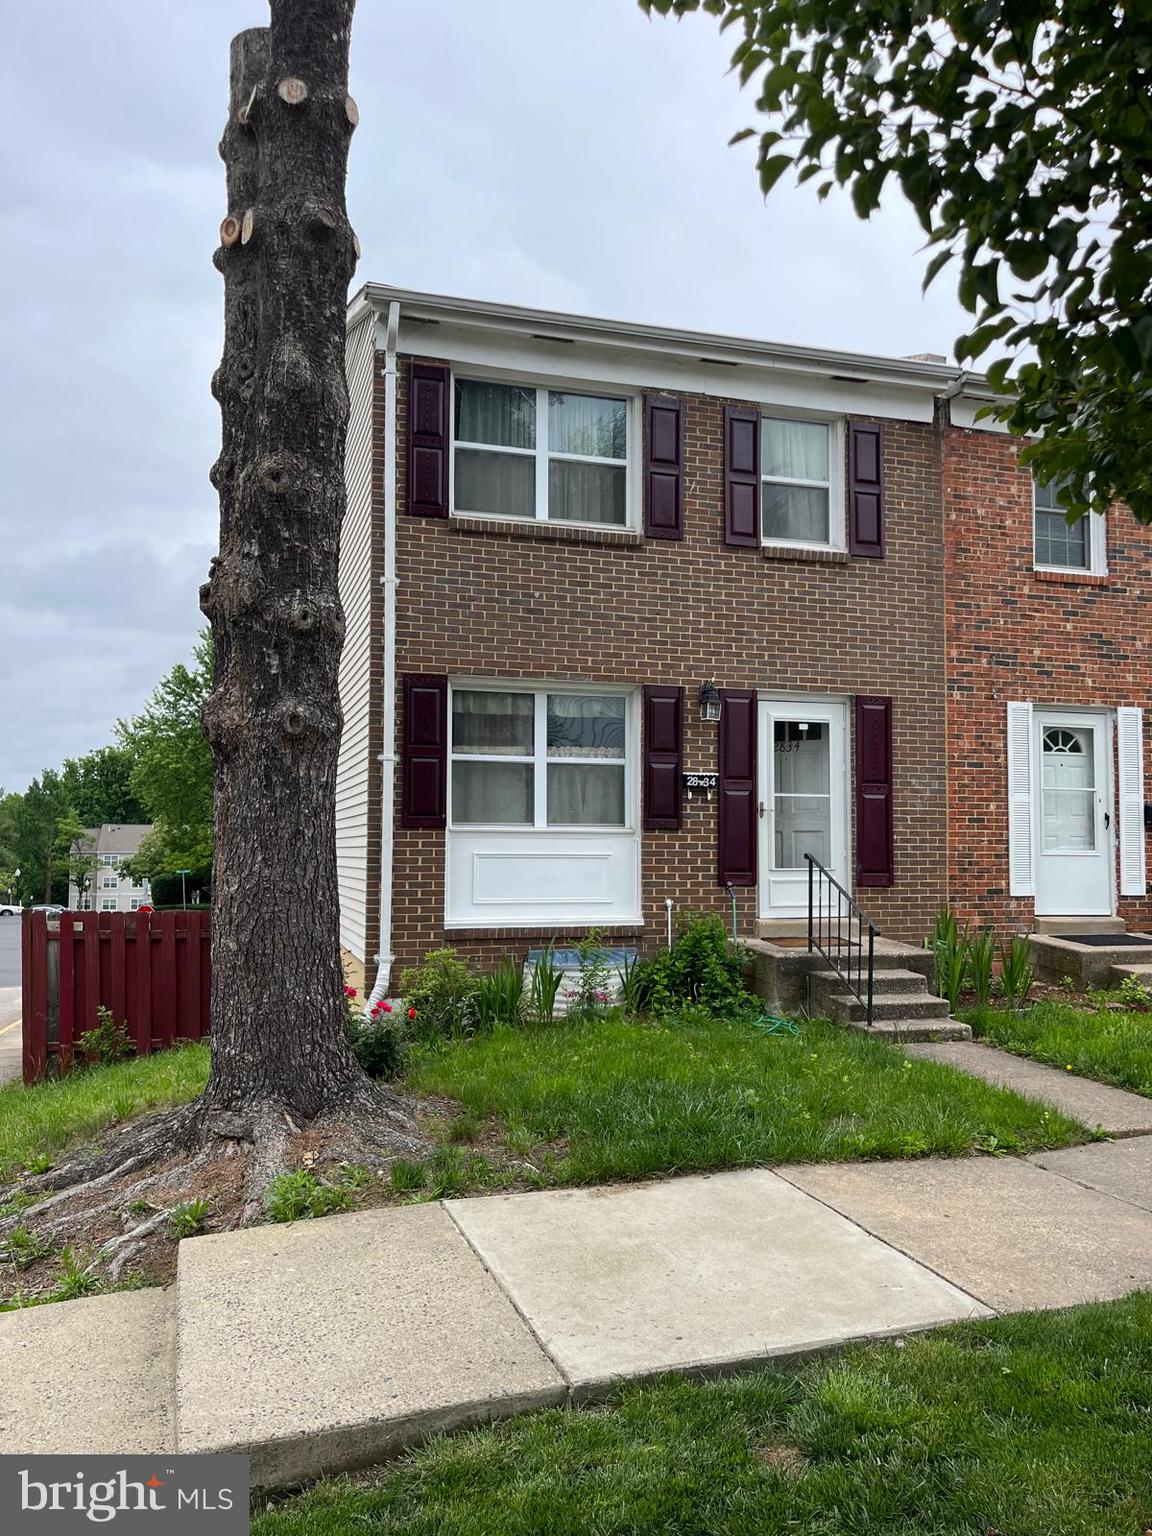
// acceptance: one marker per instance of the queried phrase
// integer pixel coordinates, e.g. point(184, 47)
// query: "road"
point(9, 997)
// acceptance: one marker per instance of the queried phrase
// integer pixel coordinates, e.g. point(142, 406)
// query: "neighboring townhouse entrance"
point(1072, 813)
point(803, 752)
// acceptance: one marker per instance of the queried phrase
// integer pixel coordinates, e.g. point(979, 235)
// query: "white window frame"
point(837, 501)
point(1097, 543)
point(134, 904)
point(543, 385)
point(108, 860)
point(109, 904)
point(109, 882)
point(540, 759)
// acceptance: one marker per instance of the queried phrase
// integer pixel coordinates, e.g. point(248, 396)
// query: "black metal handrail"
point(844, 951)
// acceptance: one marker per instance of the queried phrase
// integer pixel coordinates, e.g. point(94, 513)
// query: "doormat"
point(1105, 940)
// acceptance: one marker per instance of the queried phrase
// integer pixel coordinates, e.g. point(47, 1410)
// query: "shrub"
point(701, 968)
point(591, 994)
point(109, 1042)
point(441, 991)
point(379, 1042)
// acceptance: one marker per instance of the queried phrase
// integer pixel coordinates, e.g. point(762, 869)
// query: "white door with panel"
point(803, 799)
point(1072, 814)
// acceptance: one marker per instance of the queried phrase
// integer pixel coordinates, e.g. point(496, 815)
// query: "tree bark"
point(279, 1040)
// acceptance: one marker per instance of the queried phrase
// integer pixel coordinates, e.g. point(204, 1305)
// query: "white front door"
point(1072, 810)
point(803, 799)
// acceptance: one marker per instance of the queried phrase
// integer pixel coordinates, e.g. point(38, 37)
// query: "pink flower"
point(411, 1013)
point(385, 1007)
point(349, 991)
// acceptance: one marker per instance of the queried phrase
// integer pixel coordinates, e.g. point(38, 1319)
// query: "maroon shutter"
point(738, 788)
point(663, 758)
point(424, 755)
point(663, 467)
point(865, 490)
point(429, 440)
point(873, 791)
point(741, 476)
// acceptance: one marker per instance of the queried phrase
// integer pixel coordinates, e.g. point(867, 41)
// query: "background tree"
point(37, 819)
point(99, 787)
point(1021, 133)
point(171, 772)
point(76, 852)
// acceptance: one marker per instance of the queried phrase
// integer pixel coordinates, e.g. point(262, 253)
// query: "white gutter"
point(388, 581)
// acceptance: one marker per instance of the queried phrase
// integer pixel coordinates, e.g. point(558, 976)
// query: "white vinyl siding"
point(355, 661)
point(1021, 873)
point(1130, 770)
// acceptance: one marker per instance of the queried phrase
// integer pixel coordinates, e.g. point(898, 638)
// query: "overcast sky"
point(563, 153)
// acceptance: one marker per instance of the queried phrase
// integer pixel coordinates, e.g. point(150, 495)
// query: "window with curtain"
point(527, 452)
point(531, 758)
point(796, 473)
point(1066, 546)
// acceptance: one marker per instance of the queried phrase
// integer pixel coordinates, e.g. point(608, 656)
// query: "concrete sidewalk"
point(11, 1045)
point(330, 1344)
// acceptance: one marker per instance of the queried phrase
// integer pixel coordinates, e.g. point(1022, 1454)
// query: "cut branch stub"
point(229, 231)
point(352, 111)
point(247, 227)
point(292, 91)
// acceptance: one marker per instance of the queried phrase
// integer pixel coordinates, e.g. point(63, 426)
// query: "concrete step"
point(1058, 926)
point(916, 1031)
point(1140, 972)
point(884, 982)
point(910, 1006)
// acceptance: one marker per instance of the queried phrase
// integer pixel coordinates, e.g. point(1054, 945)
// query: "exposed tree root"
point(142, 1171)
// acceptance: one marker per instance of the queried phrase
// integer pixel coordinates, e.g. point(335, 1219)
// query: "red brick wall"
point(1015, 633)
point(542, 601)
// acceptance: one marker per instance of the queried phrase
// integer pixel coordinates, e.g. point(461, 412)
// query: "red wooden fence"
point(151, 969)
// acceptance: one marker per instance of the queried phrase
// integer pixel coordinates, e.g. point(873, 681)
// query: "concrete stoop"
point(903, 1006)
point(1091, 966)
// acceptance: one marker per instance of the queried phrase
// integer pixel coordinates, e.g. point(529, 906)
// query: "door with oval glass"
point(1073, 815)
point(803, 799)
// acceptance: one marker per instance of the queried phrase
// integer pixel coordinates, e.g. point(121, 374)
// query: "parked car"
point(52, 908)
point(8, 910)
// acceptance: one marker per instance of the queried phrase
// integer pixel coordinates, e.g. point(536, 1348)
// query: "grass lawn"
point(37, 1123)
point(1092, 1041)
point(631, 1100)
point(1034, 1425)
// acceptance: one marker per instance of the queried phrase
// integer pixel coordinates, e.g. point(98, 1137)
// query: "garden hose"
point(773, 1024)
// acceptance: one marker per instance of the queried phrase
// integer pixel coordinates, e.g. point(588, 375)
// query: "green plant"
point(77, 1278)
point(440, 990)
point(636, 979)
point(39, 1163)
point(1067, 983)
point(109, 1042)
point(498, 998)
point(701, 968)
point(949, 947)
point(1134, 994)
point(591, 993)
point(406, 1176)
point(300, 1194)
point(23, 1247)
point(188, 1218)
point(1016, 970)
point(451, 1172)
point(981, 954)
point(379, 1042)
point(123, 1106)
point(544, 987)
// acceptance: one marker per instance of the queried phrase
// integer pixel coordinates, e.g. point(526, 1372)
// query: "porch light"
point(709, 702)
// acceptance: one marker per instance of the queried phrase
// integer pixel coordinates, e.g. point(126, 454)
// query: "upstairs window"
point(1059, 544)
point(539, 759)
point(531, 453)
point(802, 496)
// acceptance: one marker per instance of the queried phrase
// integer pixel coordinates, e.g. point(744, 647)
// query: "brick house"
point(599, 528)
point(1048, 666)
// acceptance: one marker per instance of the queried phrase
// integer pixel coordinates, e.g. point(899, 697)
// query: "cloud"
point(567, 153)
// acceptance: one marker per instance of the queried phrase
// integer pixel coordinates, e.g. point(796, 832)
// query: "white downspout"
point(388, 581)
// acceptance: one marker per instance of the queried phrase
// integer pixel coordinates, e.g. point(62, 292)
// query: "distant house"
point(109, 889)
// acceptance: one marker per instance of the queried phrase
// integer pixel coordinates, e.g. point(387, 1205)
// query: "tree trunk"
point(287, 255)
